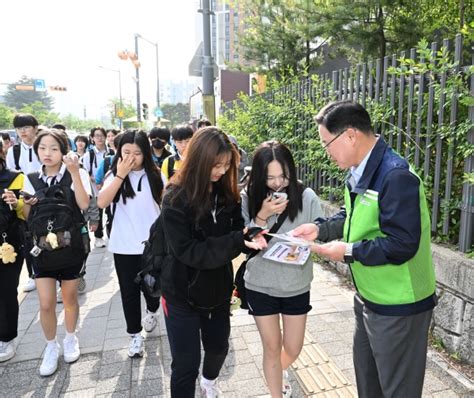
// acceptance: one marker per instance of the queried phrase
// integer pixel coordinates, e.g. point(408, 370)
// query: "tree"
point(282, 36)
point(17, 99)
point(41, 113)
point(176, 113)
point(128, 109)
point(285, 36)
point(75, 123)
point(6, 117)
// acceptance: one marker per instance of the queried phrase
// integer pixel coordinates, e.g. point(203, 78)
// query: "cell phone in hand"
point(279, 196)
point(26, 195)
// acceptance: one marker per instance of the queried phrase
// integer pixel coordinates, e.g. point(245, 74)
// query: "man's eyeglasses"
point(334, 139)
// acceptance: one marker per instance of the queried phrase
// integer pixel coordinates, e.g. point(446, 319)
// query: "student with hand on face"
point(133, 189)
point(59, 177)
point(277, 291)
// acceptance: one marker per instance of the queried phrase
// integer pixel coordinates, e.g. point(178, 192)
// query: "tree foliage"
point(177, 113)
point(128, 109)
point(18, 99)
point(6, 116)
point(287, 36)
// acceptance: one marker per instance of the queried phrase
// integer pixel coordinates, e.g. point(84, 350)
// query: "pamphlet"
point(292, 239)
point(286, 253)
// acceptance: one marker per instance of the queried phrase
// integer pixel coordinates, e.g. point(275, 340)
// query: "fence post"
point(467, 204)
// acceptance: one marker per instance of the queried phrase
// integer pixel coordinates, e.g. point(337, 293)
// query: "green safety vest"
point(389, 284)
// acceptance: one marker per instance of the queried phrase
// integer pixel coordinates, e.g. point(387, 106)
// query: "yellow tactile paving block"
point(318, 375)
point(345, 392)
point(310, 355)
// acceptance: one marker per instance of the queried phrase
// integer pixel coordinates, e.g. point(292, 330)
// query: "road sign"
point(158, 112)
point(24, 87)
point(40, 85)
point(120, 114)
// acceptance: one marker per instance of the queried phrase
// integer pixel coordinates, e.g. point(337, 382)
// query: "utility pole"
point(207, 65)
point(137, 77)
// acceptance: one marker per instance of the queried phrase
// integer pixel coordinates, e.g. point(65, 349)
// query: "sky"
point(64, 42)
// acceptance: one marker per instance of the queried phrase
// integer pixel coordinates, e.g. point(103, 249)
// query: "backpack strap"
point(36, 181)
point(107, 164)
point(8, 180)
point(16, 155)
point(171, 160)
point(91, 160)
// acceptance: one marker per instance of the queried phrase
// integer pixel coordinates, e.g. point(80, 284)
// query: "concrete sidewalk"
point(324, 368)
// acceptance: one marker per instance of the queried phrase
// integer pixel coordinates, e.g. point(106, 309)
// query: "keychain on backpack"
point(51, 237)
point(7, 251)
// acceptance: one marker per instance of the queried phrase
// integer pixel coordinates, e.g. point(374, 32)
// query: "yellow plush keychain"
point(51, 237)
point(7, 251)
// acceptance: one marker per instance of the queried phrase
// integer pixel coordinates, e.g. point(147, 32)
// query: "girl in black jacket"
point(204, 229)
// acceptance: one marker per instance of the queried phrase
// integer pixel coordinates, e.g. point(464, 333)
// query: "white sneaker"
point(29, 285)
point(209, 389)
point(7, 350)
point(135, 348)
point(99, 242)
point(286, 387)
point(71, 349)
point(50, 360)
point(81, 288)
point(150, 321)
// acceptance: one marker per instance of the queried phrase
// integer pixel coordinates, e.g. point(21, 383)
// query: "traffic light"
point(145, 111)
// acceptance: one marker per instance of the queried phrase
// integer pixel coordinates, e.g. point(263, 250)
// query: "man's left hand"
point(333, 251)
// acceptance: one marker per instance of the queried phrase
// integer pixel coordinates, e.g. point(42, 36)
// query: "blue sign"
point(40, 85)
point(158, 112)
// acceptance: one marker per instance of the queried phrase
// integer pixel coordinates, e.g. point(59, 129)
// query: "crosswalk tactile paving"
point(318, 375)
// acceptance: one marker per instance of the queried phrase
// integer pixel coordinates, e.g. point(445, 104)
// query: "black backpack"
point(152, 258)
point(56, 212)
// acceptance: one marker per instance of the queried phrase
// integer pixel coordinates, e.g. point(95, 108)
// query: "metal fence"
point(419, 110)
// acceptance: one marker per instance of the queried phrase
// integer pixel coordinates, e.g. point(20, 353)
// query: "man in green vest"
point(385, 231)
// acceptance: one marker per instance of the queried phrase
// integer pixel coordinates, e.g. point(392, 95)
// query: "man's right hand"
point(308, 231)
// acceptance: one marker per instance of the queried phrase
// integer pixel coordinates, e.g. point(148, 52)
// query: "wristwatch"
point(348, 258)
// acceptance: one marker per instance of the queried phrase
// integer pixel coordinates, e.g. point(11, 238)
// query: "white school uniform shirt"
point(86, 163)
point(26, 166)
point(132, 220)
point(27, 187)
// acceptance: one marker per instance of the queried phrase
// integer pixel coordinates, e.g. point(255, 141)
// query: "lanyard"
point(214, 211)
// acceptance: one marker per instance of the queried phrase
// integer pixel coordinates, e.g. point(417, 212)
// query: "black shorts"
point(64, 274)
point(261, 304)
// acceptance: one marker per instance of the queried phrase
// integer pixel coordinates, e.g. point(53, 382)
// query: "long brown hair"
point(194, 177)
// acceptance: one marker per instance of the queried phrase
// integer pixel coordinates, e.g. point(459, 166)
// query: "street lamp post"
point(119, 114)
point(157, 67)
point(137, 77)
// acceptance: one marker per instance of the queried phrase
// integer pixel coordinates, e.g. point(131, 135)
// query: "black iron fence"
point(422, 103)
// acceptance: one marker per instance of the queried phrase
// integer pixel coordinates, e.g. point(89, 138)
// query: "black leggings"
point(185, 329)
point(127, 267)
point(9, 278)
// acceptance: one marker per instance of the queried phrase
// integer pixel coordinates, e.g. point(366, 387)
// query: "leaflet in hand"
point(286, 253)
point(292, 239)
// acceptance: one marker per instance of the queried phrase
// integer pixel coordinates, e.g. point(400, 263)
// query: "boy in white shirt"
point(22, 157)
